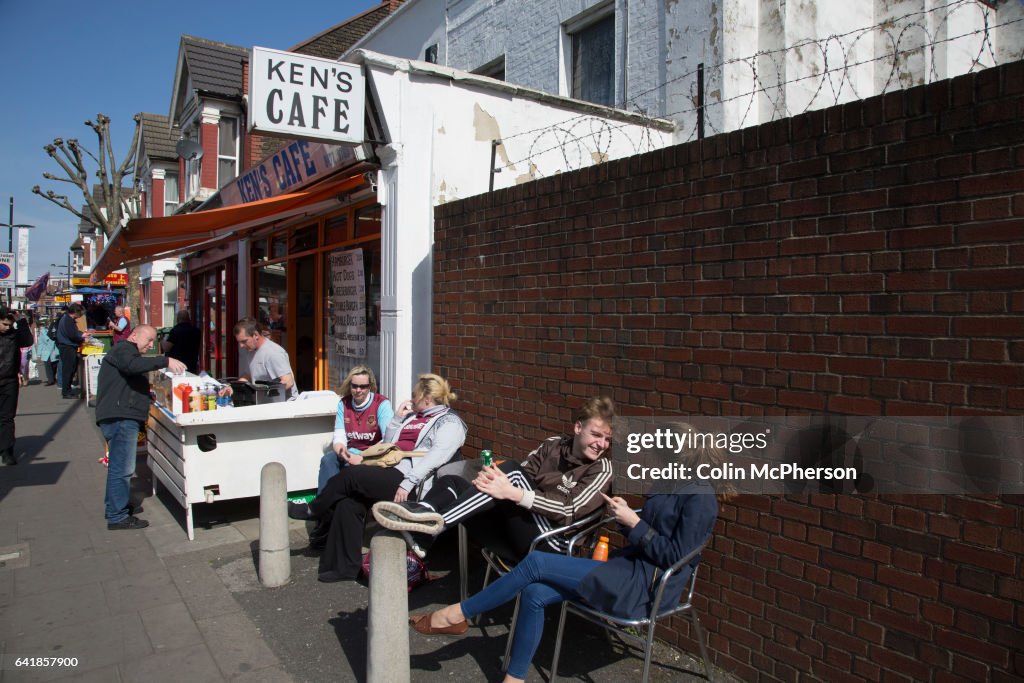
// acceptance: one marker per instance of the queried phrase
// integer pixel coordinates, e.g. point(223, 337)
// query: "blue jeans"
point(330, 465)
point(543, 579)
point(122, 442)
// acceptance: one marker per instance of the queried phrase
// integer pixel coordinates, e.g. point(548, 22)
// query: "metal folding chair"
point(499, 567)
point(620, 626)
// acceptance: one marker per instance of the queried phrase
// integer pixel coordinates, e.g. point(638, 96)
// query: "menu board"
point(347, 316)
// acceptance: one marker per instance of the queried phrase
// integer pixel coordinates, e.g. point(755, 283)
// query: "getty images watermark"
point(825, 454)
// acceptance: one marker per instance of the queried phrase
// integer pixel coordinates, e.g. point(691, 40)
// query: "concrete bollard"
point(275, 566)
point(387, 647)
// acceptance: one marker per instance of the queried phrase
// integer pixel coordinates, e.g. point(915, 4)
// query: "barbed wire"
point(586, 138)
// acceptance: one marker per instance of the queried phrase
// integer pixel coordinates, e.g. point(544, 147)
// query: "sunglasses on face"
point(360, 386)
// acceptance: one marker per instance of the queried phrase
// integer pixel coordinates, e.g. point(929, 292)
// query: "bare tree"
point(117, 202)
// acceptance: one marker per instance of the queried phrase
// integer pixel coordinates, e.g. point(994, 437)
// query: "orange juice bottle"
point(601, 549)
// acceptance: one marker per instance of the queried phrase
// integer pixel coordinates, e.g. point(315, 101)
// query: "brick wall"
point(864, 259)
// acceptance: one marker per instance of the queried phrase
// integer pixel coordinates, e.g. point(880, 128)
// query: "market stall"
point(213, 455)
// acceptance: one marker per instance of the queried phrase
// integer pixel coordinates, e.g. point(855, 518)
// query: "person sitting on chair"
point(363, 414)
point(670, 526)
point(512, 503)
point(424, 423)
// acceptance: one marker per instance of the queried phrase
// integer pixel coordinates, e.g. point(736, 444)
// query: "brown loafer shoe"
point(421, 624)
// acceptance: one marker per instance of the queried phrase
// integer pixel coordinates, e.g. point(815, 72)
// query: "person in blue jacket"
point(670, 526)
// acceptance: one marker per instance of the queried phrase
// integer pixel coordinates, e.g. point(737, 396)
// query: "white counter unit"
point(218, 455)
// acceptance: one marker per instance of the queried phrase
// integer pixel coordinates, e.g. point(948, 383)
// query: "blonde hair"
point(704, 453)
point(434, 386)
point(346, 385)
point(601, 407)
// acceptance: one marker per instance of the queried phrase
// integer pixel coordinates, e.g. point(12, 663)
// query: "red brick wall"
point(208, 164)
point(156, 303)
point(157, 203)
point(865, 259)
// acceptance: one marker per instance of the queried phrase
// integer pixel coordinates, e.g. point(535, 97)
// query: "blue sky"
point(65, 61)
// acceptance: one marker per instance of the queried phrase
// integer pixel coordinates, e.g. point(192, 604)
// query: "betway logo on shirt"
point(361, 436)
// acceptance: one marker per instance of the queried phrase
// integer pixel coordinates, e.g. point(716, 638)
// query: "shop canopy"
point(149, 239)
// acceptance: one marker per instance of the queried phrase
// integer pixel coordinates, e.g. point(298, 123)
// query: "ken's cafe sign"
point(297, 96)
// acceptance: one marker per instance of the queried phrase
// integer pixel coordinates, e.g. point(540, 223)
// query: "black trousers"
point(345, 500)
point(68, 366)
point(500, 525)
point(8, 408)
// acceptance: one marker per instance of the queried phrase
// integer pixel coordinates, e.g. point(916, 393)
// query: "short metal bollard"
point(275, 568)
point(387, 655)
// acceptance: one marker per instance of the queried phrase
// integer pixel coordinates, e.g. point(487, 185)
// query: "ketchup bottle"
point(186, 395)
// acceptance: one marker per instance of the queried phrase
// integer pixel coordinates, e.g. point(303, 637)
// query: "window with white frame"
point(591, 40)
point(170, 192)
point(227, 150)
point(192, 166)
point(170, 308)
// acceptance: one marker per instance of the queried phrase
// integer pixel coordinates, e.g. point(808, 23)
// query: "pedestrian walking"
point(45, 352)
point(122, 408)
point(69, 337)
point(13, 336)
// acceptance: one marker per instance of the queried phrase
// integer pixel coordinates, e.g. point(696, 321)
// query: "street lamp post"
point(10, 225)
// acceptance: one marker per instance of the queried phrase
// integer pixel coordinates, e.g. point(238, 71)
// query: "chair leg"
point(648, 651)
point(558, 641)
point(511, 634)
point(463, 564)
point(699, 632)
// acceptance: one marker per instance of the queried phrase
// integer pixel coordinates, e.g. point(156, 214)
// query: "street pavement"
point(149, 605)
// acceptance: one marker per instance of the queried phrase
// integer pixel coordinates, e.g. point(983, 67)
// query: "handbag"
point(385, 454)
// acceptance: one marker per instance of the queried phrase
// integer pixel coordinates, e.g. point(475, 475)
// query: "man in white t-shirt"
point(269, 362)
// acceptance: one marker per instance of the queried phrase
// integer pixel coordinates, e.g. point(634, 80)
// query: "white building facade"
point(758, 60)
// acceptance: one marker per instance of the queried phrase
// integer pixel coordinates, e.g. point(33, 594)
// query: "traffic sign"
point(6, 270)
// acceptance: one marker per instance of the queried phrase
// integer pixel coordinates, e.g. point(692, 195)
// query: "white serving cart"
point(218, 454)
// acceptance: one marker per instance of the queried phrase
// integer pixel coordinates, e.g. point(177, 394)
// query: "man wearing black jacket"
point(122, 407)
point(68, 339)
point(12, 339)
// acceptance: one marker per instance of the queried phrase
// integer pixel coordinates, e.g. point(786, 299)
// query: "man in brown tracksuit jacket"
point(511, 504)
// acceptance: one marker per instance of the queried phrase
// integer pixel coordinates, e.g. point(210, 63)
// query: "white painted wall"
point(440, 124)
point(408, 32)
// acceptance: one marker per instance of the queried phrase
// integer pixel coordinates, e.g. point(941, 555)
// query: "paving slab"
point(193, 664)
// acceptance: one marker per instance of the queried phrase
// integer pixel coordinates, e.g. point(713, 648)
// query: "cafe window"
point(336, 229)
point(272, 300)
point(367, 221)
point(279, 246)
point(352, 313)
point(303, 239)
point(258, 250)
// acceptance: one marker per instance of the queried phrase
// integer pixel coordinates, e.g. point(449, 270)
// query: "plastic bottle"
point(197, 401)
point(210, 396)
point(186, 398)
point(601, 549)
point(486, 458)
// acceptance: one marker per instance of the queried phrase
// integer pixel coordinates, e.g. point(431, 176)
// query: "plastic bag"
point(416, 572)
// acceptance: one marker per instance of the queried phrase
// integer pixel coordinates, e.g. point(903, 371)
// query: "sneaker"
point(408, 516)
point(300, 511)
point(128, 522)
point(10, 460)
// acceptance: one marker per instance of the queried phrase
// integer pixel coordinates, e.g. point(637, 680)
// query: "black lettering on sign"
point(274, 113)
point(340, 112)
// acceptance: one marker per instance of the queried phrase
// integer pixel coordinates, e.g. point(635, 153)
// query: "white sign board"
point(348, 304)
point(297, 96)
point(6, 270)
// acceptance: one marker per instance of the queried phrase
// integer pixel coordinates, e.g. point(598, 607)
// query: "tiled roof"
point(215, 68)
point(157, 138)
point(335, 41)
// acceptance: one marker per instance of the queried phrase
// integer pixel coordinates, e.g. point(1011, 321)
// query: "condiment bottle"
point(186, 397)
point(601, 549)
